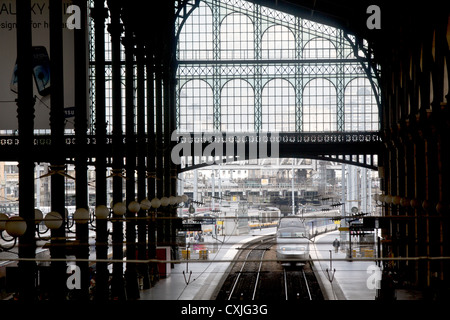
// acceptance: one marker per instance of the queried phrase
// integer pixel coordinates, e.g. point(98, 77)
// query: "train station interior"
point(119, 126)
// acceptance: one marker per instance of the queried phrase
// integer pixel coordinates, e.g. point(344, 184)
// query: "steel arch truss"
point(224, 40)
point(301, 77)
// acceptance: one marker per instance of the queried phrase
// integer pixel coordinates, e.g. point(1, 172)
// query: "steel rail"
point(243, 265)
point(257, 275)
point(238, 276)
point(285, 284)
point(307, 286)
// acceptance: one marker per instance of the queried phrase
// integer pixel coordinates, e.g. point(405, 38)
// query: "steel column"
point(141, 164)
point(25, 115)
point(82, 231)
point(115, 29)
point(57, 248)
point(99, 15)
point(130, 152)
point(151, 159)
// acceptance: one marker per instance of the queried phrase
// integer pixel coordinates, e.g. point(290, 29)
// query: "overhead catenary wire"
point(421, 258)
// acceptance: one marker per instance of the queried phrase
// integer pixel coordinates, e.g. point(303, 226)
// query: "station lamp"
point(134, 206)
point(146, 204)
point(119, 209)
point(164, 201)
point(102, 212)
point(53, 220)
point(81, 216)
point(15, 226)
point(172, 200)
point(155, 203)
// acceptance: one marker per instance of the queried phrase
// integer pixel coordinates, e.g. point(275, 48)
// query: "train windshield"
point(292, 234)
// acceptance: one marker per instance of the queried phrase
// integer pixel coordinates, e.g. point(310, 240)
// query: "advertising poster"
point(41, 64)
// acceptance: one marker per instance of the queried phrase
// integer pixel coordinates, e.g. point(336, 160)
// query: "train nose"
point(292, 249)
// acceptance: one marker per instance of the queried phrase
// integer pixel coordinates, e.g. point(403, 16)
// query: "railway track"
point(296, 285)
point(246, 282)
point(253, 278)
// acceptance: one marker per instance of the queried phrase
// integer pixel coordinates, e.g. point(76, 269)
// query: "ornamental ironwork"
point(245, 67)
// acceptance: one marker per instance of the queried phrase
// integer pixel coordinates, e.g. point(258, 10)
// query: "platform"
point(341, 280)
point(353, 279)
point(206, 275)
point(198, 279)
point(349, 281)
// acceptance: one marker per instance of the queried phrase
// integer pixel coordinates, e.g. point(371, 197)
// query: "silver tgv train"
point(292, 241)
point(294, 234)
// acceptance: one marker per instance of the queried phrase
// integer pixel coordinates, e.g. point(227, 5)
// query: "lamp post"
point(117, 285)
point(155, 204)
point(131, 279)
point(55, 222)
point(102, 213)
point(144, 278)
point(38, 218)
point(161, 222)
point(82, 218)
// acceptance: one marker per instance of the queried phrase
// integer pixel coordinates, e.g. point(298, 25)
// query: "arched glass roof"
point(246, 67)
